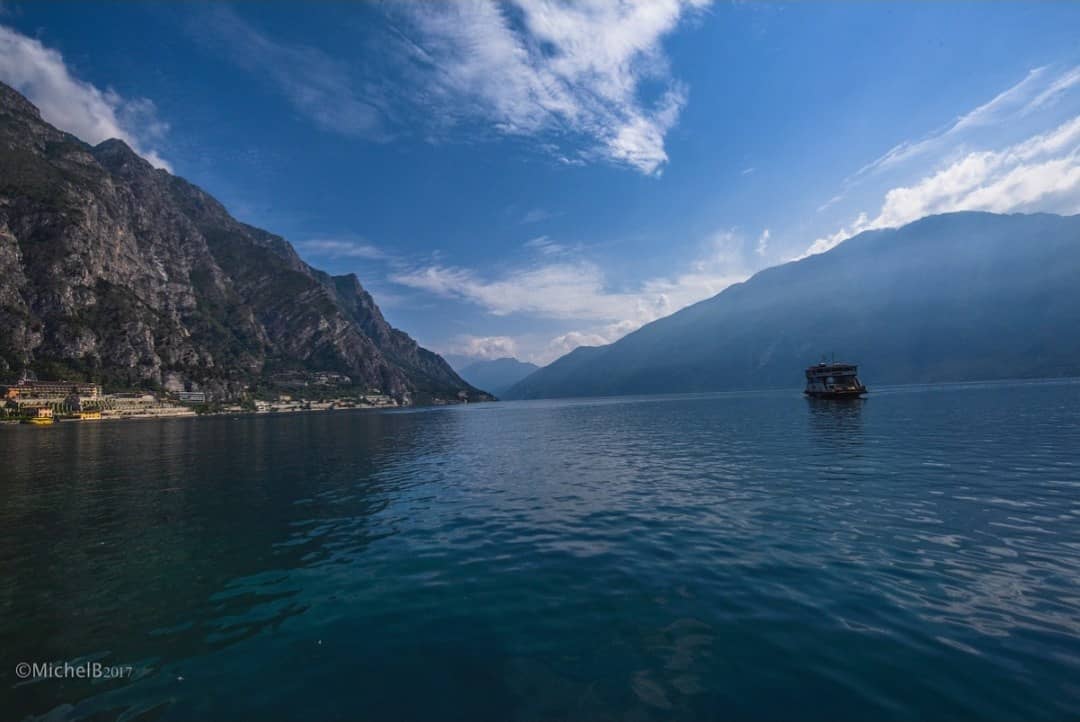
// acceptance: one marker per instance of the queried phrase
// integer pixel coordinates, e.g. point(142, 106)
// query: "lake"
point(740, 555)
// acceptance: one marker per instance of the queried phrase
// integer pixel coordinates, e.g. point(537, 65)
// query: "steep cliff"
point(114, 270)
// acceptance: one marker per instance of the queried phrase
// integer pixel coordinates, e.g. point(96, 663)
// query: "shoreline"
point(192, 414)
point(884, 389)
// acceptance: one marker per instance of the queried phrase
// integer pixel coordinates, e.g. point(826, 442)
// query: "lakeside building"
point(62, 398)
point(85, 401)
point(31, 398)
point(28, 388)
point(191, 397)
point(136, 404)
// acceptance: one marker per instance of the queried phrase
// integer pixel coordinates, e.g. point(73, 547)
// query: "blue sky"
point(522, 178)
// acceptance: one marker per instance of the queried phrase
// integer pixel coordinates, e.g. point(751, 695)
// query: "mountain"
point(113, 270)
point(961, 296)
point(497, 375)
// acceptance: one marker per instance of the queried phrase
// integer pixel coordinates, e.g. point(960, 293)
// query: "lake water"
point(740, 556)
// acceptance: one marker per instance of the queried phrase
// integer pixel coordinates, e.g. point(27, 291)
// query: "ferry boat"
point(833, 381)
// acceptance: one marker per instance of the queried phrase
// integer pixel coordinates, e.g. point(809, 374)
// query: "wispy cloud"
point(830, 203)
point(77, 106)
point(542, 68)
point(763, 243)
point(1041, 173)
point(1037, 89)
point(725, 260)
point(547, 247)
point(1012, 153)
point(536, 215)
point(1056, 89)
point(330, 93)
point(338, 248)
point(579, 292)
point(587, 81)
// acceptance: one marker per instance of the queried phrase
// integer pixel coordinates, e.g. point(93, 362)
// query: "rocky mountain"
point(962, 296)
point(497, 375)
point(113, 270)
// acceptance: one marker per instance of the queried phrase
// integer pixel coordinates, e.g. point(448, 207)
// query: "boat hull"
point(844, 394)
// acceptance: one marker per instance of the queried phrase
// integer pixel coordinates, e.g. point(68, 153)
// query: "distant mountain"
point(952, 297)
point(115, 271)
point(458, 362)
point(497, 375)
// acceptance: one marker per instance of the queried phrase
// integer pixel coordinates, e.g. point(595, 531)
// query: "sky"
point(522, 178)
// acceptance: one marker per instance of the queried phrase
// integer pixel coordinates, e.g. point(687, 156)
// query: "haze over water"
point(746, 556)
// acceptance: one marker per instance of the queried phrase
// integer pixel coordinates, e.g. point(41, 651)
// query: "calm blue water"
point(741, 556)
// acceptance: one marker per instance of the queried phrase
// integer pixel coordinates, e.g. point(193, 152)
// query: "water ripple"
point(750, 556)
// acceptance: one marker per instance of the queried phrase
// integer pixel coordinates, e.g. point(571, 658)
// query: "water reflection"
point(836, 423)
point(112, 534)
point(915, 555)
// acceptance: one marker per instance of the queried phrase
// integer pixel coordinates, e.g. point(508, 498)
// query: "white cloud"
point(1038, 89)
point(337, 248)
point(483, 347)
point(860, 224)
point(579, 291)
point(1013, 153)
point(723, 262)
point(990, 112)
point(1060, 86)
point(538, 67)
point(548, 70)
point(76, 106)
point(1041, 173)
point(545, 246)
point(763, 243)
point(558, 290)
point(567, 342)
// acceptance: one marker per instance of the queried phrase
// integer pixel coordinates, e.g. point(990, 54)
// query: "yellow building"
point(41, 416)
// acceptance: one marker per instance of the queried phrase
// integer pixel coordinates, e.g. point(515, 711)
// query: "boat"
point(833, 381)
point(42, 416)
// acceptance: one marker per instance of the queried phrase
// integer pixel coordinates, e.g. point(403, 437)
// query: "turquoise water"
point(741, 556)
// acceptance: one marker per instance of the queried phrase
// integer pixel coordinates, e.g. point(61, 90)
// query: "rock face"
point(113, 270)
point(961, 296)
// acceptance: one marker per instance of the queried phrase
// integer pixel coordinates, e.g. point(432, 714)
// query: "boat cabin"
point(833, 380)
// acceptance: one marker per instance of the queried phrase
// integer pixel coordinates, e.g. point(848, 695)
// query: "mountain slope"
point(497, 375)
point(951, 297)
point(114, 270)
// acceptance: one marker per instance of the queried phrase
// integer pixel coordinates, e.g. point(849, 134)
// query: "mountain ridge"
point(496, 375)
point(959, 296)
point(113, 270)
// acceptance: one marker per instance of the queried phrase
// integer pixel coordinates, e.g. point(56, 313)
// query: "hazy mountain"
point(457, 361)
point(114, 270)
point(951, 297)
point(497, 375)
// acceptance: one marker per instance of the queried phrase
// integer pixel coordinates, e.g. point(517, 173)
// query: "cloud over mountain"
point(74, 105)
